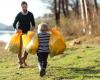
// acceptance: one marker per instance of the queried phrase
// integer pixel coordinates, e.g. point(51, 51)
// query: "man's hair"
point(23, 2)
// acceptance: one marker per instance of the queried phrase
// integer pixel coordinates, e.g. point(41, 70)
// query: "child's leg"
point(20, 53)
point(42, 59)
point(40, 64)
point(25, 57)
point(39, 61)
point(45, 57)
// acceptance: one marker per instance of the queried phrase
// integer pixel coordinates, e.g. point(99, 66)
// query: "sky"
point(10, 8)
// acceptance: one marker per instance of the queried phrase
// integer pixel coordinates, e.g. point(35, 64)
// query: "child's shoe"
point(42, 72)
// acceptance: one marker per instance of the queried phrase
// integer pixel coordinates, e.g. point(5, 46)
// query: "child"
point(43, 48)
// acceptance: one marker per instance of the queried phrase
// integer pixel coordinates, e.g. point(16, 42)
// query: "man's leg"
point(24, 58)
point(20, 53)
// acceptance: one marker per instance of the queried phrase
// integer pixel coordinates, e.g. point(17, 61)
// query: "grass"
point(78, 63)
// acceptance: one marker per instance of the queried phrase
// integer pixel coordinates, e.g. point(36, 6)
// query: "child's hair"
point(43, 27)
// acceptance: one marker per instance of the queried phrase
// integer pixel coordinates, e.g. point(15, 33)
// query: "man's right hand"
point(19, 30)
point(31, 28)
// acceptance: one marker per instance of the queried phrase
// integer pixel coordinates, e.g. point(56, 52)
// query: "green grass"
point(78, 63)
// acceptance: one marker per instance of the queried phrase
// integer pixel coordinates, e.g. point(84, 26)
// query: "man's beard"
point(25, 11)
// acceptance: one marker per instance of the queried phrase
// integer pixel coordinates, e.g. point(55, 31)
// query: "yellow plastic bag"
point(57, 43)
point(33, 46)
point(26, 38)
point(14, 43)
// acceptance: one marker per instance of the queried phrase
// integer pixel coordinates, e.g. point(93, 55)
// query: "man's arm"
point(15, 21)
point(32, 21)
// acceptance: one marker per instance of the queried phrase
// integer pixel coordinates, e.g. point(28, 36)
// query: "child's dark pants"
point(42, 59)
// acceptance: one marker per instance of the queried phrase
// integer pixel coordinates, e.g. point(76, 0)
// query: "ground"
point(78, 63)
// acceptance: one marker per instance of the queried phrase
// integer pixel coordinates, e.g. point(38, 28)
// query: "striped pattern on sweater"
point(43, 42)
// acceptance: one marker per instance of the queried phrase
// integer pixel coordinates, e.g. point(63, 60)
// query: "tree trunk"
point(77, 8)
point(88, 16)
point(82, 15)
point(96, 5)
point(57, 12)
point(63, 7)
point(86, 10)
point(66, 3)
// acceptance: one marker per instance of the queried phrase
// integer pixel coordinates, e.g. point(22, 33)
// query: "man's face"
point(24, 7)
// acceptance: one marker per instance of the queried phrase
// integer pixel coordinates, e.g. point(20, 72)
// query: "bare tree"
point(82, 15)
point(57, 8)
point(63, 7)
point(77, 7)
point(67, 10)
point(96, 5)
point(85, 6)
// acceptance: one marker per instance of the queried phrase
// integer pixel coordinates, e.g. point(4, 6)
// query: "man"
point(26, 22)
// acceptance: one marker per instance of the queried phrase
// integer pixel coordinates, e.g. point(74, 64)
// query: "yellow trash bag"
point(26, 38)
point(33, 45)
point(57, 43)
point(14, 43)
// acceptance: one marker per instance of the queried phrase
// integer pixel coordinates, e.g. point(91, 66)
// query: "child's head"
point(43, 27)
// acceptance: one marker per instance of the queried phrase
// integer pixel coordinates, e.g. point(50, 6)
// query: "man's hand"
point(31, 28)
point(19, 30)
